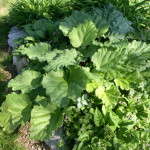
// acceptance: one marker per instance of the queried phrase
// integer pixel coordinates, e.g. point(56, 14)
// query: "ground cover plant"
point(87, 73)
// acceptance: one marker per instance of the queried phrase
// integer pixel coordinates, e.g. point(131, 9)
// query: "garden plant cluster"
point(89, 70)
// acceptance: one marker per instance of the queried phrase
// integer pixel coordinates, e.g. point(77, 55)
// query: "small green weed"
point(7, 141)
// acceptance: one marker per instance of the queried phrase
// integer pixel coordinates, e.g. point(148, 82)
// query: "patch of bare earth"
point(25, 142)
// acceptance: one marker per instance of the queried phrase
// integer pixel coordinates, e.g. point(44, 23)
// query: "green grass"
point(7, 141)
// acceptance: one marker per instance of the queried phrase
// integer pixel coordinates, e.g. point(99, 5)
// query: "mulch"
point(25, 142)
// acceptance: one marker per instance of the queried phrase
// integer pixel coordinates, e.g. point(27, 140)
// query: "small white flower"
point(79, 99)
point(79, 105)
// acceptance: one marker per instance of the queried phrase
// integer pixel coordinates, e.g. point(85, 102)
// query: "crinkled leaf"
point(130, 80)
point(138, 53)
point(40, 34)
point(6, 119)
point(44, 120)
point(115, 73)
point(26, 81)
point(134, 61)
point(83, 35)
point(79, 17)
point(108, 97)
point(122, 83)
point(90, 87)
point(137, 47)
point(6, 122)
point(118, 23)
point(106, 60)
point(40, 28)
point(19, 106)
point(67, 58)
point(37, 52)
point(18, 111)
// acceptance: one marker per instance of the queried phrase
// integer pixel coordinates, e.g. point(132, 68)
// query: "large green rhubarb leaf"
point(61, 89)
point(19, 106)
point(79, 77)
point(26, 81)
point(37, 52)
point(44, 120)
point(138, 53)
point(101, 24)
point(82, 28)
point(109, 97)
point(77, 17)
point(56, 87)
point(83, 35)
point(6, 120)
point(18, 111)
point(6, 123)
point(67, 58)
point(137, 48)
point(106, 60)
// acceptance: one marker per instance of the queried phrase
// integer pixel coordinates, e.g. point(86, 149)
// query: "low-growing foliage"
point(92, 79)
point(8, 141)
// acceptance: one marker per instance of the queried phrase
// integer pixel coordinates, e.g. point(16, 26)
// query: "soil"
point(25, 142)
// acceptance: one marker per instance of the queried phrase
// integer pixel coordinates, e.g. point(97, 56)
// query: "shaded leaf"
point(26, 81)
point(98, 118)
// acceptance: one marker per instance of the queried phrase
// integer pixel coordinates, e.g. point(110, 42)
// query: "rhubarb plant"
point(97, 87)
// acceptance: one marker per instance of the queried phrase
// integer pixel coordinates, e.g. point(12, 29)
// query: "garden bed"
point(85, 69)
